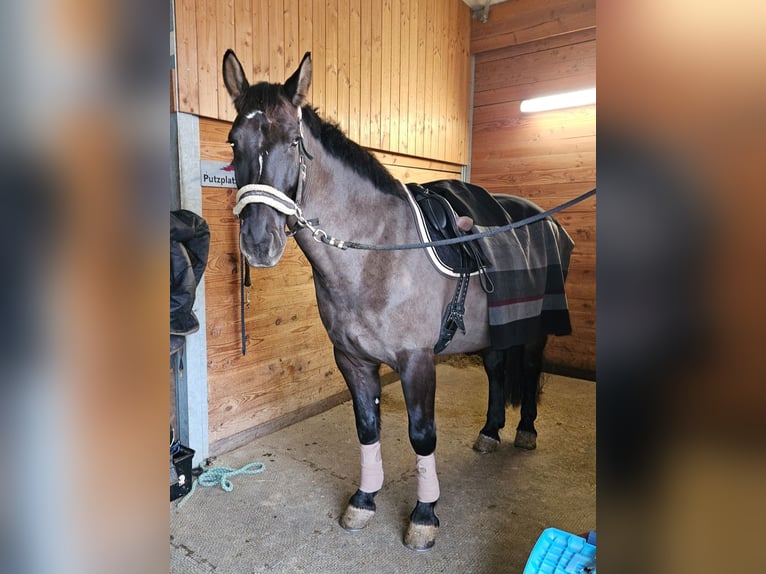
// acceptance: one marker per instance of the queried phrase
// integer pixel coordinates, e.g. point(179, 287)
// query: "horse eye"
point(232, 144)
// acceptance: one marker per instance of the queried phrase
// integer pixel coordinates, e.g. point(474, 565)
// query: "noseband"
point(266, 194)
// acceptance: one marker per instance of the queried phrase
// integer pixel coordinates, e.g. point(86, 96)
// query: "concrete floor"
point(492, 507)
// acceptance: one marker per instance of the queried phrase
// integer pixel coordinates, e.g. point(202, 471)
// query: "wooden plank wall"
point(395, 74)
point(530, 48)
point(400, 92)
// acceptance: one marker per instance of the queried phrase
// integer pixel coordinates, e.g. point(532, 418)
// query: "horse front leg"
point(363, 380)
point(418, 376)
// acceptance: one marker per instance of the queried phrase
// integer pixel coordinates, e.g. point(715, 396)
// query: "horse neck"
point(348, 207)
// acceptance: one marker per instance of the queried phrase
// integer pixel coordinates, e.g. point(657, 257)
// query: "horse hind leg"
point(531, 369)
point(514, 379)
point(495, 366)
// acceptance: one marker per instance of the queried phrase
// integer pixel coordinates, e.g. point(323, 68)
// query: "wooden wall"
point(396, 75)
point(530, 48)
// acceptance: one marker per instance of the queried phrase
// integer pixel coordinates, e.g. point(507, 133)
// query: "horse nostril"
point(276, 244)
point(264, 250)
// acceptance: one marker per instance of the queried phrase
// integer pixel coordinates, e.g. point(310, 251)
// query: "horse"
point(377, 306)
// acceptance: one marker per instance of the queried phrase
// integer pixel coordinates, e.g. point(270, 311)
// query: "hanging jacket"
point(189, 246)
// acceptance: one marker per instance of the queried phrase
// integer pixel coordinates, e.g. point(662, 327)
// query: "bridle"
point(271, 196)
point(278, 200)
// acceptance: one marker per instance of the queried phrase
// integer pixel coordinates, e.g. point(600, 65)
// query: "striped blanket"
point(528, 264)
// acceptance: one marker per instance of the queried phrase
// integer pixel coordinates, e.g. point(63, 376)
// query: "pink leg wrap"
point(428, 482)
point(372, 468)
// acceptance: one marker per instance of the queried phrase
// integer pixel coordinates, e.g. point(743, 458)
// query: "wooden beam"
point(522, 21)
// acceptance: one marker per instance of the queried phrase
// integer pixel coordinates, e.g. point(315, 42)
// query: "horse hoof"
point(526, 440)
point(356, 518)
point(485, 444)
point(420, 536)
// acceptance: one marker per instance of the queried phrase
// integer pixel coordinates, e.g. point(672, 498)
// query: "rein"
point(466, 238)
point(255, 193)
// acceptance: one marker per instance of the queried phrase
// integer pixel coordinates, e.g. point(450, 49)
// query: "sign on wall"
point(216, 174)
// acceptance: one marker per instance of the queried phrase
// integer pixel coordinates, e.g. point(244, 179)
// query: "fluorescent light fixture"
point(558, 101)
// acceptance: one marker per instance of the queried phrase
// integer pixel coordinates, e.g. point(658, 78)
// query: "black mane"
point(349, 152)
point(267, 96)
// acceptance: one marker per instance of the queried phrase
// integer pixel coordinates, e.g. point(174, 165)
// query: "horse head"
point(266, 138)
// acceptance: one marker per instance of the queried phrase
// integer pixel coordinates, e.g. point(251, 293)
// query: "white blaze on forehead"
point(252, 114)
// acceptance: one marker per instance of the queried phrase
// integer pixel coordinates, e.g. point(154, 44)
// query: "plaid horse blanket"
point(528, 265)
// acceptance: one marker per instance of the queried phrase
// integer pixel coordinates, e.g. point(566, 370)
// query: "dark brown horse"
point(377, 306)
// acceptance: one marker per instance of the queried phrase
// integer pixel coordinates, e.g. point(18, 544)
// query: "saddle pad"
point(527, 265)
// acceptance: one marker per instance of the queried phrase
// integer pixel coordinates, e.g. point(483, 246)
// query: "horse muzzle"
point(265, 253)
point(262, 237)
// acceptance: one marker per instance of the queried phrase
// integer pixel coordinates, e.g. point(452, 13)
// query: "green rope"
point(220, 475)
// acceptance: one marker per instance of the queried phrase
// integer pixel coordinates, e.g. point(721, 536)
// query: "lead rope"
point(244, 281)
point(242, 301)
point(221, 475)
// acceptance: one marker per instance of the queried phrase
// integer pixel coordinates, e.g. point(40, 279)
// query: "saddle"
point(443, 223)
point(460, 259)
point(522, 271)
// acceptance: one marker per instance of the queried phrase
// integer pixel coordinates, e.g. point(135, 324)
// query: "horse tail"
point(523, 370)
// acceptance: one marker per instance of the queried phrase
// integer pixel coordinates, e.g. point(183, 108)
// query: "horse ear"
point(297, 85)
point(234, 76)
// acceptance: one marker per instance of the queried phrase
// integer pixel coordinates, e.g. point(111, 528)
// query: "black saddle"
point(442, 223)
